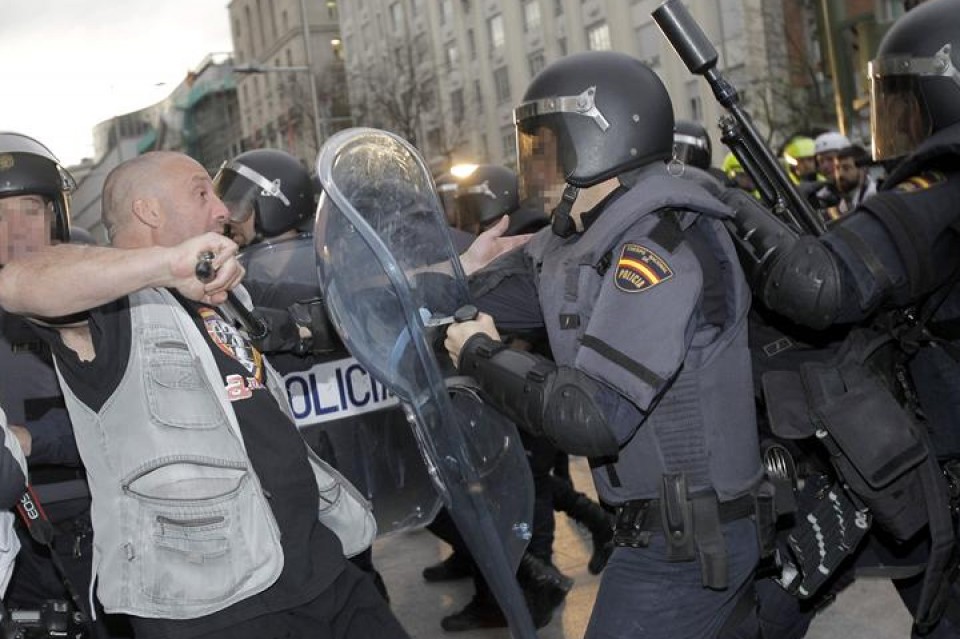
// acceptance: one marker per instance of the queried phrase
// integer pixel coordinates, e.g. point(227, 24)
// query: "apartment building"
point(447, 74)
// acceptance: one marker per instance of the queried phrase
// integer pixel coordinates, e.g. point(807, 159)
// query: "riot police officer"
point(271, 197)
point(34, 213)
point(889, 270)
point(489, 193)
point(645, 308)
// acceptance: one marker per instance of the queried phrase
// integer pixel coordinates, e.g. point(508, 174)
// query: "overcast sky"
point(66, 65)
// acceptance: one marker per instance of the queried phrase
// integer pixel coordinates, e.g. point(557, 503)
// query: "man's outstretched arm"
point(67, 279)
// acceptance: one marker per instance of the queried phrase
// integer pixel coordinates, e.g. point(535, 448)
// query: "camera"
point(54, 618)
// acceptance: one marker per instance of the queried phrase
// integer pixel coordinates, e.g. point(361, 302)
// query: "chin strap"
point(563, 225)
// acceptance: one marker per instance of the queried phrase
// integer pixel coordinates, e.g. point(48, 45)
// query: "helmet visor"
point(542, 179)
point(239, 187)
point(688, 148)
point(899, 122)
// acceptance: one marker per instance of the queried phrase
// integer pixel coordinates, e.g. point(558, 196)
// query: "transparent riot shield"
point(346, 416)
point(392, 282)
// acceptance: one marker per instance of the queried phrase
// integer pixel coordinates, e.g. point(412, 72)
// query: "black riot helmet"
point(589, 117)
point(691, 144)
point(489, 193)
point(271, 185)
point(486, 195)
point(27, 167)
point(915, 81)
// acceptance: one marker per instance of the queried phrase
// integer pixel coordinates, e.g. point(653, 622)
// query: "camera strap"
point(41, 530)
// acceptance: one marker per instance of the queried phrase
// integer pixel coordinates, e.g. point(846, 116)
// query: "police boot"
point(544, 587)
point(600, 524)
point(456, 566)
point(481, 612)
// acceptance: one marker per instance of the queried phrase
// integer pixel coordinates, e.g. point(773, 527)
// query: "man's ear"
point(147, 211)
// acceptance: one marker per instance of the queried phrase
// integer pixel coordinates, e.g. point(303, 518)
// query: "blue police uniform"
point(650, 303)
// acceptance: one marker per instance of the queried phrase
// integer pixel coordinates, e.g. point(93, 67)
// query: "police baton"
point(255, 328)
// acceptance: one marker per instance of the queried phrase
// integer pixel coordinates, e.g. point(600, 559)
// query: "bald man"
point(205, 499)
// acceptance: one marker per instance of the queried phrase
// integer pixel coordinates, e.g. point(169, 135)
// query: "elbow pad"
point(557, 403)
point(804, 284)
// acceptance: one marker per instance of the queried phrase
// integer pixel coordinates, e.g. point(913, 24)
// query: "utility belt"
point(691, 524)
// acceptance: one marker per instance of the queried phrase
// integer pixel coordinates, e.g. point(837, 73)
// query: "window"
point(273, 19)
point(472, 44)
point(446, 12)
point(456, 105)
point(396, 16)
point(495, 29)
point(649, 38)
point(420, 47)
point(562, 46)
point(416, 6)
point(451, 56)
point(694, 101)
point(478, 93)
point(434, 145)
point(558, 7)
point(531, 15)
point(465, 5)
point(598, 37)
point(508, 137)
point(501, 80)
point(428, 94)
point(535, 62)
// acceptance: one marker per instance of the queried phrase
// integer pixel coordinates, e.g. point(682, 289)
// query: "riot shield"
point(392, 281)
point(347, 417)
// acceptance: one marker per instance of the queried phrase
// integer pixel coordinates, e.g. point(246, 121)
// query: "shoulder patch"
point(639, 269)
point(921, 182)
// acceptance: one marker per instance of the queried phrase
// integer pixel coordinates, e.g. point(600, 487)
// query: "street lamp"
point(314, 102)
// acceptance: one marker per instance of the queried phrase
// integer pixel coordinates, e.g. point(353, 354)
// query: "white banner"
point(334, 390)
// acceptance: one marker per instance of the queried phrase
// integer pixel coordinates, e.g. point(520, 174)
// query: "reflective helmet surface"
point(731, 166)
point(271, 185)
point(486, 195)
point(27, 167)
point(830, 141)
point(691, 144)
point(588, 117)
point(798, 148)
point(915, 82)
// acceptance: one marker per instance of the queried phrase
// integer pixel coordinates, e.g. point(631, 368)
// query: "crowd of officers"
point(760, 431)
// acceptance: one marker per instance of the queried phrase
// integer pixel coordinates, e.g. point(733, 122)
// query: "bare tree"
point(791, 98)
point(399, 92)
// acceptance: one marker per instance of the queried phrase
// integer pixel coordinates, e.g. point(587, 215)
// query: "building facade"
point(446, 74)
point(274, 69)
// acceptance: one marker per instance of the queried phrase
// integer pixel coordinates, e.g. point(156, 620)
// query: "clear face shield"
point(686, 147)
point(27, 224)
point(899, 120)
point(544, 147)
point(239, 187)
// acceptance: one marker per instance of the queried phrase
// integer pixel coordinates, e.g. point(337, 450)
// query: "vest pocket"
point(201, 550)
point(178, 394)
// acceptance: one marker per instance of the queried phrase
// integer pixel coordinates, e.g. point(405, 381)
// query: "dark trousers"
point(351, 608)
point(644, 595)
